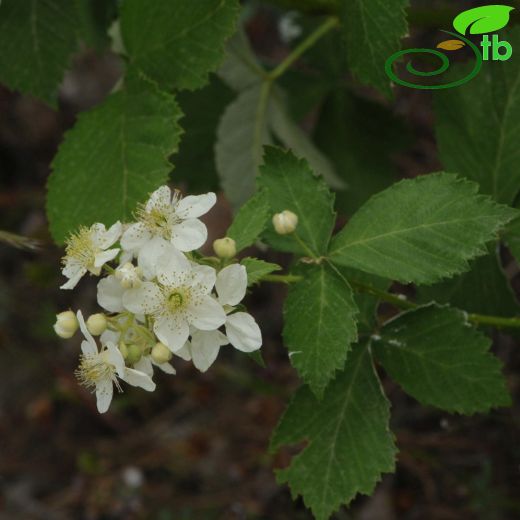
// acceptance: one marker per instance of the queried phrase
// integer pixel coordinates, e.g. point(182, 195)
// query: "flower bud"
point(134, 354)
point(128, 275)
point(285, 222)
point(225, 248)
point(66, 324)
point(161, 353)
point(123, 349)
point(97, 324)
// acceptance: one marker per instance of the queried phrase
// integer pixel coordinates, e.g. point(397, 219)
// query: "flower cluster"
point(160, 296)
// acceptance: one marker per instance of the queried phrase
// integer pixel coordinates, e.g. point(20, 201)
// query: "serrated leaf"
point(177, 43)
point(241, 134)
point(319, 326)
point(37, 39)
point(291, 185)
point(257, 269)
point(250, 221)
point(476, 126)
point(483, 289)
point(420, 230)
point(451, 45)
point(512, 238)
point(115, 155)
point(372, 32)
point(441, 360)
point(349, 442)
point(481, 20)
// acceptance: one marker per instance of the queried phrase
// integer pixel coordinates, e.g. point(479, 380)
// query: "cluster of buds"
point(161, 298)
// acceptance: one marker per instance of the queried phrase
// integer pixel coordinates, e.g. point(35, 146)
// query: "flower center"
point(161, 218)
point(81, 248)
point(93, 369)
point(177, 299)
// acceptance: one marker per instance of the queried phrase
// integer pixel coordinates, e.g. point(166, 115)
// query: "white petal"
point(205, 347)
point(135, 237)
point(144, 299)
point(111, 236)
point(207, 315)
point(91, 348)
point(110, 294)
point(140, 379)
point(231, 284)
point(74, 279)
point(144, 365)
point(166, 368)
point(205, 277)
point(189, 235)
point(243, 332)
point(109, 336)
point(194, 206)
point(185, 352)
point(159, 256)
point(172, 332)
point(161, 197)
point(105, 256)
point(104, 392)
point(114, 357)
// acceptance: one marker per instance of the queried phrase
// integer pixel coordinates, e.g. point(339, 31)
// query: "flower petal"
point(91, 348)
point(205, 347)
point(105, 256)
point(243, 332)
point(73, 279)
point(166, 368)
point(207, 315)
point(194, 206)
point(162, 259)
point(144, 365)
point(205, 277)
point(140, 379)
point(135, 237)
point(144, 299)
point(160, 198)
point(114, 357)
point(172, 332)
point(110, 336)
point(104, 393)
point(189, 235)
point(110, 294)
point(185, 352)
point(107, 238)
point(231, 284)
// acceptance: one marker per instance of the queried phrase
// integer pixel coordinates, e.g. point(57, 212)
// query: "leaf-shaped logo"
point(451, 45)
point(481, 20)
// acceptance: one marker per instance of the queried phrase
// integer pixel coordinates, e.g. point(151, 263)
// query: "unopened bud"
point(225, 247)
point(285, 222)
point(161, 353)
point(134, 354)
point(128, 275)
point(97, 324)
point(66, 324)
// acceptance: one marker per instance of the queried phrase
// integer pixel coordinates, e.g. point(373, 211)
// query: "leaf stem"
point(282, 278)
point(329, 24)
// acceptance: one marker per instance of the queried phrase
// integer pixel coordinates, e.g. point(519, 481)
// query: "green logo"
point(481, 20)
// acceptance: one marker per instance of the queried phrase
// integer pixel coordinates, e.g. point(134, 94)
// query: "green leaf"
point(195, 162)
point(291, 185)
point(93, 21)
point(241, 135)
point(373, 31)
point(349, 441)
point(420, 230)
point(115, 155)
point(485, 19)
point(177, 43)
point(476, 127)
point(359, 136)
point(257, 357)
point(250, 221)
point(484, 289)
point(37, 39)
point(512, 238)
point(441, 360)
point(257, 269)
point(319, 326)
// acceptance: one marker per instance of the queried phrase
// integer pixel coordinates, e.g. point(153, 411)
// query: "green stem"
point(282, 278)
point(329, 24)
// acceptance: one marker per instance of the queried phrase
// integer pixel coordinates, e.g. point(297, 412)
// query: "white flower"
point(110, 294)
point(100, 370)
point(241, 329)
point(128, 275)
point(180, 297)
point(172, 218)
point(88, 250)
